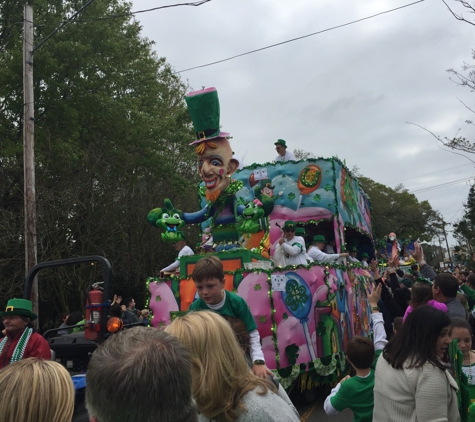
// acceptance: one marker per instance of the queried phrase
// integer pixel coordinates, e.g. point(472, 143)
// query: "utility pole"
point(446, 241)
point(441, 251)
point(29, 152)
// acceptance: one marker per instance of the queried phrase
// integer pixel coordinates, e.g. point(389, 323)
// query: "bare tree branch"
point(443, 143)
point(460, 17)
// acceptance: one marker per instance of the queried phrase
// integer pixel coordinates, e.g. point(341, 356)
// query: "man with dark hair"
point(128, 311)
point(444, 288)
point(415, 271)
point(64, 318)
point(20, 342)
point(140, 375)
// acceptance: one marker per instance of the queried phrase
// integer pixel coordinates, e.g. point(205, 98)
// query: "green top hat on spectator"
point(300, 231)
point(319, 238)
point(364, 255)
point(281, 142)
point(353, 249)
point(20, 307)
point(289, 225)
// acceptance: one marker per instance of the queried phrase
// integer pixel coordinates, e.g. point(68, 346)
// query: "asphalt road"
point(311, 408)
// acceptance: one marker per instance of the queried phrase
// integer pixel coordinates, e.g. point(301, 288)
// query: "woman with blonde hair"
point(36, 390)
point(224, 387)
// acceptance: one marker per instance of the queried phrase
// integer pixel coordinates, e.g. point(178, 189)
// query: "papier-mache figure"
point(394, 248)
point(216, 165)
point(168, 219)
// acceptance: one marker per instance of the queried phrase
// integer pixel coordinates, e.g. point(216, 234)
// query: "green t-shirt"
point(234, 306)
point(357, 394)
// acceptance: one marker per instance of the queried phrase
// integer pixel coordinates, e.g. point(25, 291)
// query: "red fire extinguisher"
point(93, 314)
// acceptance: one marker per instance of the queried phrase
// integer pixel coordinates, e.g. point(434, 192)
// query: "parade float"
point(305, 314)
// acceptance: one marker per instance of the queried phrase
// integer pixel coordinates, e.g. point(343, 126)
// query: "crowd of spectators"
point(414, 378)
point(208, 365)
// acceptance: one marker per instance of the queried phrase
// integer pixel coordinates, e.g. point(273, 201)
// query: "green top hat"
point(281, 142)
point(300, 231)
point(266, 183)
point(21, 307)
point(364, 255)
point(203, 107)
point(289, 224)
point(319, 238)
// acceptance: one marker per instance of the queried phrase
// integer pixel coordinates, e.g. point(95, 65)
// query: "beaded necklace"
point(470, 368)
point(20, 347)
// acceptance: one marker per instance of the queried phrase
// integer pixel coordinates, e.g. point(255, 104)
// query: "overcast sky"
point(348, 92)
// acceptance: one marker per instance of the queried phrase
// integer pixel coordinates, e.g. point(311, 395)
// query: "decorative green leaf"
point(158, 298)
point(262, 319)
point(328, 187)
point(292, 353)
point(317, 197)
point(257, 287)
point(291, 196)
point(285, 316)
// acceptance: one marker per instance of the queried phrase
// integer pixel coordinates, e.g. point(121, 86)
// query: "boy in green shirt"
point(356, 393)
point(208, 276)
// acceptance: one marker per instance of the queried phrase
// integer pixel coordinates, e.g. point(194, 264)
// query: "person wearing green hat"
point(316, 251)
point(364, 259)
point(300, 231)
point(20, 341)
point(290, 249)
point(284, 155)
point(352, 255)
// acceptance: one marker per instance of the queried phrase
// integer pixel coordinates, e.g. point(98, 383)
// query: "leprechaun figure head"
point(216, 166)
point(215, 156)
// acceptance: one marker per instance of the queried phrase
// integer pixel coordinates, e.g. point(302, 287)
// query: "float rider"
point(292, 247)
point(20, 341)
point(316, 251)
point(284, 155)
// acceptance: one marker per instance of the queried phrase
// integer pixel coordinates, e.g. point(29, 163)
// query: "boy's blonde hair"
point(207, 268)
point(221, 376)
point(36, 390)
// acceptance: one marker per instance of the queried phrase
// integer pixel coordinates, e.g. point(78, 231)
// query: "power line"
point(428, 174)
point(62, 24)
point(299, 38)
point(197, 3)
point(454, 203)
point(453, 182)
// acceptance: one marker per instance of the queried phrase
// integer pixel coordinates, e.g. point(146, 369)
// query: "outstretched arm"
point(426, 269)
